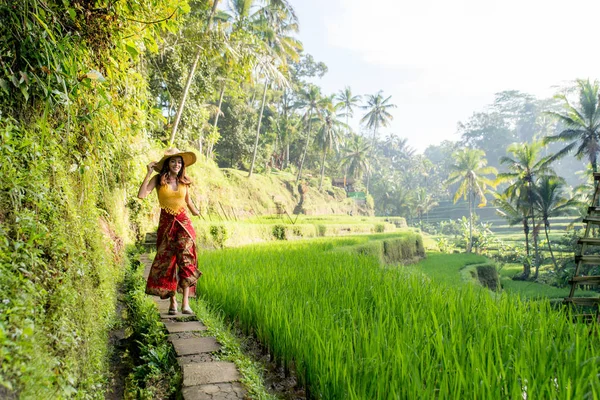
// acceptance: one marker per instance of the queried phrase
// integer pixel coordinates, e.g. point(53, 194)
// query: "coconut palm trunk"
point(323, 166)
point(190, 77)
point(262, 107)
point(371, 155)
point(526, 264)
point(305, 147)
point(470, 244)
point(549, 246)
point(535, 242)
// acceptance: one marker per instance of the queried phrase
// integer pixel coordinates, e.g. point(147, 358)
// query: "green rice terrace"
point(436, 236)
point(353, 327)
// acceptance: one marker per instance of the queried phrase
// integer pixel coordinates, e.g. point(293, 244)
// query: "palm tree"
point(425, 202)
point(377, 115)
point(191, 73)
point(582, 124)
point(524, 167)
point(271, 72)
point(329, 132)
point(355, 159)
point(312, 102)
point(515, 209)
point(551, 202)
point(347, 102)
point(469, 170)
point(404, 200)
point(272, 26)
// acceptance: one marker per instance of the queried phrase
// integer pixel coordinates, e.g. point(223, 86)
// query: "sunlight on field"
point(354, 330)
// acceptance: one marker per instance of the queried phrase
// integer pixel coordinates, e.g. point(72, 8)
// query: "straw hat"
point(188, 158)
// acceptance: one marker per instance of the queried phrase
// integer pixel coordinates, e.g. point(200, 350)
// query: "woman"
point(175, 264)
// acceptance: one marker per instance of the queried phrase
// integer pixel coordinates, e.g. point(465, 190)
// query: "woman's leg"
point(173, 301)
point(185, 302)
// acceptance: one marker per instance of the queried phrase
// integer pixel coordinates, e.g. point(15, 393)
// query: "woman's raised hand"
point(151, 166)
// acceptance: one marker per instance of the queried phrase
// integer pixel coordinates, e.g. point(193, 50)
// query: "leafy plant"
point(219, 234)
point(279, 232)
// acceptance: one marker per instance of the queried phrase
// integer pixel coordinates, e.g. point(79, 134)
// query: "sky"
point(441, 61)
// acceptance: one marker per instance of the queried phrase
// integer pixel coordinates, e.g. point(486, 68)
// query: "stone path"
point(204, 378)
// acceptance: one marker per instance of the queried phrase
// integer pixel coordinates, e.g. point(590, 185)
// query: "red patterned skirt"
point(175, 265)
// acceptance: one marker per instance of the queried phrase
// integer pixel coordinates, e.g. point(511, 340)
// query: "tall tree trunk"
point(526, 265)
point(190, 77)
point(323, 166)
point(470, 244)
point(535, 243)
point(262, 107)
point(209, 148)
point(347, 126)
point(549, 246)
point(220, 103)
point(371, 155)
point(305, 147)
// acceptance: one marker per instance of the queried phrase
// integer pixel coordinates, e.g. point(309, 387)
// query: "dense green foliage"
point(155, 372)
point(87, 86)
point(355, 330)
point(73, 105)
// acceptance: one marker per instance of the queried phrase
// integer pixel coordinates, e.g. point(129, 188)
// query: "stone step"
point(188, 326)
point(186, 347)
point(203, 377)
point(217, 391)
point(197, 374)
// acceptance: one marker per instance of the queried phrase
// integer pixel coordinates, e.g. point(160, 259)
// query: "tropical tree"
point(469, 172)
point(550, 201)
point(524, 166)
point(515, 209)
point(355, 160)
point(582, 122)
point(272, 25)
point(271, 71)
point(378, 115)
point(424, 203)
point(312, 102)
point(347, 101)
point(191, 73)
point(329, 132)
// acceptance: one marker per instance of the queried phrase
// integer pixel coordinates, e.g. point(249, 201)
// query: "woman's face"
point(175, 165)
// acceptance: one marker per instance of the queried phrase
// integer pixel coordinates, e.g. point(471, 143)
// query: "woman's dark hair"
point(181, 176)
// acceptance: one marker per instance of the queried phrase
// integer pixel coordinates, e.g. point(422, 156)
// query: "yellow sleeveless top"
point(172, 201)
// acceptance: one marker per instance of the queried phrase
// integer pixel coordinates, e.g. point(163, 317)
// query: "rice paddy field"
point(355, 329)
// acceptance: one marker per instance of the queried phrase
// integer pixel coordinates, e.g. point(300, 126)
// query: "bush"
point(379, 228)
point(219, 234)
point(406, 248)
point(321, 230)
point(156, 373)
point(279, 232)
point(488, 276)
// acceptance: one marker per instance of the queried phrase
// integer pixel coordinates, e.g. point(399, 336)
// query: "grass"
point(534, 290)
point(231, 349)
point(355, 330)
point(445, 268)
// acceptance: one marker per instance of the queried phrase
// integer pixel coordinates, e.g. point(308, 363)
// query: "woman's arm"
point(190, 204)
point(148, 184)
